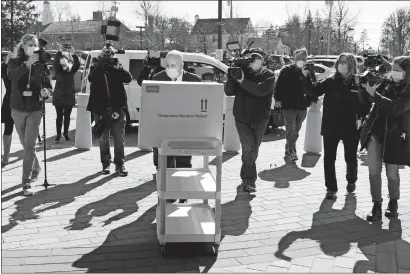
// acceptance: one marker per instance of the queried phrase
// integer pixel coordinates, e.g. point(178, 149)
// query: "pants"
point(117, 130)
point(173, 161)
point(63, 112)
point(250, 136)
point(27, 127)
point(330, 144)
point(8, 128)
point(293, 122)
point(375, 162)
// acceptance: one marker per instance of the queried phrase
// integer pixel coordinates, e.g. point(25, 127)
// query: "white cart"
point(189, 222)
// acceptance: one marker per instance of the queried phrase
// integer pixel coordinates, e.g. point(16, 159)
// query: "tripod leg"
point(46, 184)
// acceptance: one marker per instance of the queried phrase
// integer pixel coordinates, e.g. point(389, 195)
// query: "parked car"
point(277, 62)
point(321, 71)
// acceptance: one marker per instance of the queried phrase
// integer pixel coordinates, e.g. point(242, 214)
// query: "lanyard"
point(29, 78)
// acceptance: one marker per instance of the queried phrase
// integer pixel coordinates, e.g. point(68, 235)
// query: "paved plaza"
point(90, 222)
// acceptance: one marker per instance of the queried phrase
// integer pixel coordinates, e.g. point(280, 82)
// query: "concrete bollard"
point(313, 139)
point(83, 137)
point(231, 142)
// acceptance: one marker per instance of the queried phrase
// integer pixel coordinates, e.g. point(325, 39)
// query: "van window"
point(136, 66)
point(208, 73)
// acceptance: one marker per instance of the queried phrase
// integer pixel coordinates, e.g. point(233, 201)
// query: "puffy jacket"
point(64, 90)
point(253, 97)
point(389, 119)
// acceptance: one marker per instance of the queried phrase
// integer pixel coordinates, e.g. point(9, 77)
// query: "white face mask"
point(256, 65)
point(31, 50)
point(172, 73)
point(300, 64)
point(342, 69)
point(397, 76)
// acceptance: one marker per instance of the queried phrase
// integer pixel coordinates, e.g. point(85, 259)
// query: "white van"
point(209, 68)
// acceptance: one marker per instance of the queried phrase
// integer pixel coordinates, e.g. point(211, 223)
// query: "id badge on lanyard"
point(28, 92)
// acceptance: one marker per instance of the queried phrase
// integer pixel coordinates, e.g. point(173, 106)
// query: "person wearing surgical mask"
point(341, 109)
point(252, 106)
point(65, 66)
point(30, 85)
point(292, 98)
point(174, 63)
point(386, 134)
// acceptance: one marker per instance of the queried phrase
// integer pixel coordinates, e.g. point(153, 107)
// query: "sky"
point(369, 14)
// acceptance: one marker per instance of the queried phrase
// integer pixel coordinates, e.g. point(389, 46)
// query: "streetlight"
point(321, 45)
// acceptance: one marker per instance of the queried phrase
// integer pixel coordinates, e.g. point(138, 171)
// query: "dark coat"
point(5, 106)
point(341, 105)
point(64, 91)
point(186, 77)
point(253, 97)
point(98, 101)
point(391, 104)
point(289, 89)
point(147, 73)
point(18, 74)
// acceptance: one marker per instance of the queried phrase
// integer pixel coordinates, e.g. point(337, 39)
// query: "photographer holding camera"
point(149, 69)
point(386, 134)
point(30, 84)
point(107, 102)
point(64, 92)
point(253, 97)
point(291, 96)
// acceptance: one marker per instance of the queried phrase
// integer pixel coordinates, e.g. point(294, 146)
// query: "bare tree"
point(343, 24)
point(59, 10)
point(146, 10)
point(396, 32)
point(363, 38)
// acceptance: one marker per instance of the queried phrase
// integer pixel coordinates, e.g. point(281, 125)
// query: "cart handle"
point(187, 146)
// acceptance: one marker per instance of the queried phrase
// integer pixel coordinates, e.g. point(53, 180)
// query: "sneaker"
point(170, 201)
point(391, 210)
point(351, 187)
point(294, 157)
point(331, 195)
point(287, 154)
point(183, 201)
point(58, 139)
point(248, 189)
point(106, 169)
point(376, 213)
point(121, 171)
point(34, 175)
point(28, 192)
point(66, 137)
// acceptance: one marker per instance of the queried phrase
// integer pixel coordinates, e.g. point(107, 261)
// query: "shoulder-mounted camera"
point(44, 56)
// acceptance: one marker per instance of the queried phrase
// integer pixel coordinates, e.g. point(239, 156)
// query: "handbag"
point(397, 149)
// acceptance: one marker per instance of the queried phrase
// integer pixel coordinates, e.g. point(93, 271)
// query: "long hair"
point(351, 65)
point(404, 63)
point(19, 51)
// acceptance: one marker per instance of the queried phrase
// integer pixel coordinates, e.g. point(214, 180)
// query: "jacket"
point(64, 92)
point(289, 89)
point(18, 74)
point(390, 112)
point(147, 73)
point(186, 77)
point(253, 97)
point(116, 78)
point(341, 105)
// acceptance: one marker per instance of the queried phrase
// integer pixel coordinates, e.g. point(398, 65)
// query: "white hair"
point(175, 53)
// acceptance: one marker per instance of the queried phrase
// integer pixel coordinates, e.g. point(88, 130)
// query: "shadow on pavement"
point(310, 159)
point(225, 157)
point(363, 158)
point(135, 248)
point(275, 135)
point(283, 175)
point(335, 238)
point(65, 155)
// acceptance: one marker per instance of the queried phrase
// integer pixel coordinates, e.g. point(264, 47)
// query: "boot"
point(391, 210)
point(6, 149)
point(376, 213)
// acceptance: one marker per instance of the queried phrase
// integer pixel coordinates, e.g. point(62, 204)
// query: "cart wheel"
point(163, 249)
point(216, 249)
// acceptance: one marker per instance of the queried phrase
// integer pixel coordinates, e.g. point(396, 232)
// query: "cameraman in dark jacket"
point(291, 96)
point(110, 74)
point(148, 71)
point(252, 105)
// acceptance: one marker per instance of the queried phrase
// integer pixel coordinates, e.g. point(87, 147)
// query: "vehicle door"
point(135, 65)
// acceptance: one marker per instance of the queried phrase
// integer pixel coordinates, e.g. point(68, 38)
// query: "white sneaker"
point(28, 192)
point(294, 157)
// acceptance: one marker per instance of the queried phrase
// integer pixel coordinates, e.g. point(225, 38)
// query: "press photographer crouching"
point(30, 85)
point(386, 134)
point(107, 102)
point(253, 91)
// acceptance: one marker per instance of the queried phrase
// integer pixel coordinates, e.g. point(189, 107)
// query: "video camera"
point(153, 58)
point(111, 32)
point(242, 60)
point(44, 56)
point(367, 77)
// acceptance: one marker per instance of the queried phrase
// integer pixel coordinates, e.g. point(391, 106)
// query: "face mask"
point(300, 64)
point(397, 76)
point(30, 50)
point(342, 68)
point(172, 73)
point(256, 65)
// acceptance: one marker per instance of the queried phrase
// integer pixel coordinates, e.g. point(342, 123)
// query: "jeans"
point(375, 162)
point(250, 136)
point(63, 112)
point(27, 127)
point(330, 144)
point(293, 122)
point(117, 130)
point(173, 161)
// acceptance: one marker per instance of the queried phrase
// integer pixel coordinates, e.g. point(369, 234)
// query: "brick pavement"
point(95, 223)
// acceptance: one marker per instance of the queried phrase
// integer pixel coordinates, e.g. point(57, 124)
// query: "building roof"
point(210, 26)
point(76, 26)
point(37, 28)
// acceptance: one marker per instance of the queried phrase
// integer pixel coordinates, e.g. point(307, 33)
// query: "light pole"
point(321, 45)
point(329, 24)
